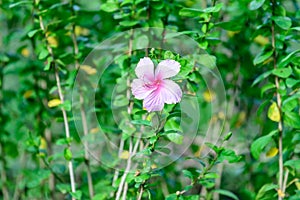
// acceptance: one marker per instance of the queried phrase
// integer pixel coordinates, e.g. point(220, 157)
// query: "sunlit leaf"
point(283, 22)
point(274, 113)
point(53, 103)
point(272, 152)
point(260, 143)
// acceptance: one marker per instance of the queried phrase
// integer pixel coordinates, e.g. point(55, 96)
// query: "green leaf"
point(290, 101)
point(188, 174)
point(32, 33)
point(169, 55)
point(63, 188)
point(290, 82)
point(264, 192)
point(141, 122)
point(120, 100)
point(66, 105)
point(228, 136)
point(296, 28)
point(287, 59)
point(229, 155)
point(267, 87)
point(141, 42)
point(261, 77)
point(100, 196)
point(262, 56)
point(62, 141)
point(109, 7)
point(262, 106)
point(190, 12)
point(193, 12)
point(68, 154)
point(212, 175)
point(255, 4)
point(43, 54)
point(48, 65)
point(76, 195)
point(291, 119)
point(259, 144)
point(207, 60)
point(19, 3)
point(141, 178)
point(213, 9)
point(226, 193)
point(294, 164)
point(234, 25)
point(282, 72)
point(283, 22)
point(171, 197)
point(128, 23)
point(175, 137)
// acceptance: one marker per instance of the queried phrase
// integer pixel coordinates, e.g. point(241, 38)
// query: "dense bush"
point(77, 120)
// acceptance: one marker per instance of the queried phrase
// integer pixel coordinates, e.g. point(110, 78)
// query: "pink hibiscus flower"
point(153, 86)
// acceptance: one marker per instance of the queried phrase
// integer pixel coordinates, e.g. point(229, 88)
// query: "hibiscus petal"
point(145, 69)
point(153, 102)
point(170, 92)
point(167, 69)
point(139, 90)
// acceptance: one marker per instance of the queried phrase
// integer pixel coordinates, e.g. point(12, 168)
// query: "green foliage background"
point(253, 43)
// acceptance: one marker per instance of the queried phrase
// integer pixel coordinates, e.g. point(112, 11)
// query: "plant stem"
point(141, 192)
point(82, 111)
point(128, 166)
point(278, 97)
point(61, 97)
point(286, 176)
point(4, 175)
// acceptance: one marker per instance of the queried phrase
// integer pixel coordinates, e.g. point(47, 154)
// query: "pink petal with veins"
point(170, 92)
point(167, 69)
point(145, 69)
point(139, 89)
point(153, 102)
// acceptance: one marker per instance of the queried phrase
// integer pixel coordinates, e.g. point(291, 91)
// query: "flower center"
point(153, 85)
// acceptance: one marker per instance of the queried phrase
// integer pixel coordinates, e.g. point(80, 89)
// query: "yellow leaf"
point(124, 155)
point(261, 40)
point(232, 33)
point(53, 103)
point(28, 94)
point(88, 69)
point(43, 143)
point(272, 152)
point(268, 60)
point(273, 112)
point(221, 115)
point(94, 130)
point(297, 185)
point(280, 193)
point(241, 119)
point(52, 41)
point(81, 31)
point(197, 154)
point(25, 52)
point(153, 166)
point(209, 96)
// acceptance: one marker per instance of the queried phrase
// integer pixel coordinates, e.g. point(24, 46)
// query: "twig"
point(4, 175)
point(121, 147)
point(286, 176)
point(280, 124)
point(128, 166)
point(61, 97)
point(141, 192)
point(82, 111)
